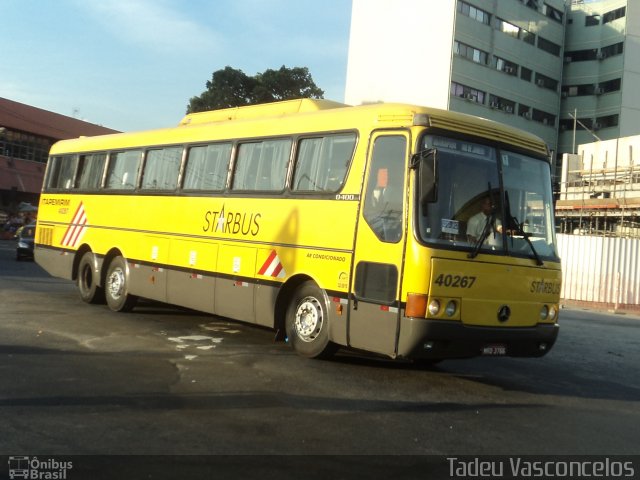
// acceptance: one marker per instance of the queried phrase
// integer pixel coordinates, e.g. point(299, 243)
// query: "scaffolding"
point(599, 191)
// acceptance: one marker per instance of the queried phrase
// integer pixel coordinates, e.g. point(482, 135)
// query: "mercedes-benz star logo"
point(504, 312)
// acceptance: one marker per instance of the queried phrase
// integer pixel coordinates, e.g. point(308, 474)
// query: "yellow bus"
point(407, 231)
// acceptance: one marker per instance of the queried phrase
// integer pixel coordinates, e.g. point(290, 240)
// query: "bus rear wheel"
point(116, 288)
point(307, 323)
point(87, 282)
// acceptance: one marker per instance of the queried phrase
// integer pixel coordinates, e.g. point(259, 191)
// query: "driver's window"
point(385, 188)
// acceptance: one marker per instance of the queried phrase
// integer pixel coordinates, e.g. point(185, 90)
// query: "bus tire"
point(116, 288)
point(307, 322)
point(87, 280)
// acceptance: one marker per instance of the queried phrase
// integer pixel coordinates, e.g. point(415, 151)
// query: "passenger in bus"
point(482, 219)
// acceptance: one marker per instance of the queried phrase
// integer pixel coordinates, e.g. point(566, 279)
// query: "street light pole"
point(575, 120)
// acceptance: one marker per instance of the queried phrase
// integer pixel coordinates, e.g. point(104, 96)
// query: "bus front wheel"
point(116, 288)
point(307, 323)
point(88, 287)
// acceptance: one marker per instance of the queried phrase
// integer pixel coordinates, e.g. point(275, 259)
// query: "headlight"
point(23, 245)
point(450, 309)
point(544, 312)
point(553, 312)
point(434, 307)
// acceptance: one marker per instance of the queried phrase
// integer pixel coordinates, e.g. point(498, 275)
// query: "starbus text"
point(231, 222)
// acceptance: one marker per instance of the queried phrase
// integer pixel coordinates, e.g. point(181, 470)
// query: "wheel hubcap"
point(116, 283)
point(87, 277)
point(308, 322)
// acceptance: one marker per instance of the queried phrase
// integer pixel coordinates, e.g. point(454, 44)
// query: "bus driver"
point(478, 222)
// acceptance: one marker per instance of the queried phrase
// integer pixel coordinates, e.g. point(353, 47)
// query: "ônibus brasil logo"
point(38, 469)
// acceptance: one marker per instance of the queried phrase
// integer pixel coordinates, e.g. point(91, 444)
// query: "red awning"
point(21, 175)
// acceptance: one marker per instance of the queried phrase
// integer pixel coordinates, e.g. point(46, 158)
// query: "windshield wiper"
point(489, 226)
point(515, 226)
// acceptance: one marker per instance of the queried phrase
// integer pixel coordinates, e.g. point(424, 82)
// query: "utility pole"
point(575, 120)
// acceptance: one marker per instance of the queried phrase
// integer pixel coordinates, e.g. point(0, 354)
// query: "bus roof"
point(299, 116)
point(276, 109)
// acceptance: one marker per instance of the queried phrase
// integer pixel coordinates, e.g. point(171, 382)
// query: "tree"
point(230, 87)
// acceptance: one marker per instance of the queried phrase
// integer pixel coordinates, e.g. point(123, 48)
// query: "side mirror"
point(426, 165)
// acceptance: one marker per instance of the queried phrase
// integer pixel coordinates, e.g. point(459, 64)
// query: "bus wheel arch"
point(115, 278)
point(87, 277)
point(306, 319)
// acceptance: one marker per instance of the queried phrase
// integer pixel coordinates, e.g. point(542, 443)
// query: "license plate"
point(494, 350)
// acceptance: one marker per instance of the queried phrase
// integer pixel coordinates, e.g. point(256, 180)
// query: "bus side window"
point(123, 170)
point(90, 170)
point(322, 163)
point(161, 169)
point(207, 167)
point(61, 172)
point(262, 166)
point(385, 192)
point(53, 172)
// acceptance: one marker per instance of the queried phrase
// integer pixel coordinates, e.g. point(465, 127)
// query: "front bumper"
point(422, 338)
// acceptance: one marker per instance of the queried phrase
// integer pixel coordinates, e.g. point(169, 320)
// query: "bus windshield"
point(483, 199)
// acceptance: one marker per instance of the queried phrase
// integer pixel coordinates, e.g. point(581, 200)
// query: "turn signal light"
point(416, 305)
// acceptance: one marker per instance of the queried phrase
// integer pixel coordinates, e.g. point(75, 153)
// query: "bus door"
point(380, 238)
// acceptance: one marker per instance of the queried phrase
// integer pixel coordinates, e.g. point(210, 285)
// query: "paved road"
point(80, 379)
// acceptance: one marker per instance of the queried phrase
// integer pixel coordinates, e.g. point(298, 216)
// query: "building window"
point(474, 12)
point(526, 74)
point(505, 66)
point(581, 124)
point(24, 146)
point(468, 93)
point(549, 46)
point(500, 103)
point(543, 117)
point(524, 111)
point(606, 121)
point(612, 50)
point(608, 86)
point(592, 20)
point(546, 82)
point(578, 90)
point(506, 27)
point(533, 4)
point(581, 55)
point(552, 13)
point(614, 15)
point(527, 36)
point(471, 53)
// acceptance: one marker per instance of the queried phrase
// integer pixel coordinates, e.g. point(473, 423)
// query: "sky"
point(134, 64)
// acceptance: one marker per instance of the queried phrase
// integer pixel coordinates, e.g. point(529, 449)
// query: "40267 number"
point(455, 281)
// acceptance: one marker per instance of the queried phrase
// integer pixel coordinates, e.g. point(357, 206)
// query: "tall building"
point(495, 59)
point(601, 75)
point(530, 63)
